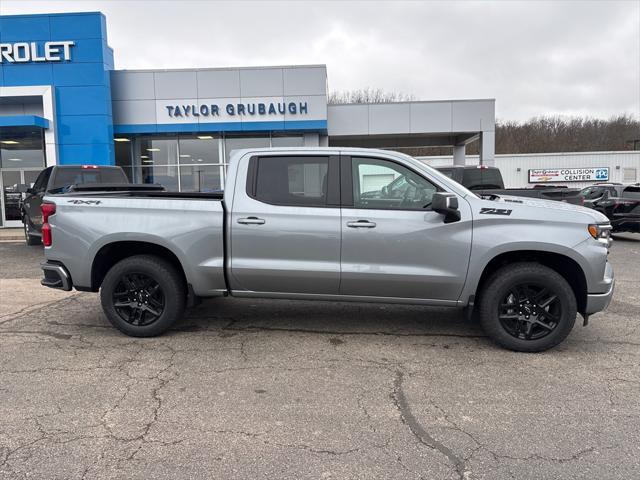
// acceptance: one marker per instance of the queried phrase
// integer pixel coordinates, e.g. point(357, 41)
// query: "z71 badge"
point(495, 211)
point(85, 202)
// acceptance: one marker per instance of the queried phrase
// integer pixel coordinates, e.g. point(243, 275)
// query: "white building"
point(623, 167)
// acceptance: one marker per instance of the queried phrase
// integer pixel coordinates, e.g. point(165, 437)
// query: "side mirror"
point(22, 188)
point(446, 204)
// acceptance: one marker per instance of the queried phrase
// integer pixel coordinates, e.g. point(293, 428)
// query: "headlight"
point(602, 233)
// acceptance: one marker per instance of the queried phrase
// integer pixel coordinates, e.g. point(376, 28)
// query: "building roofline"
point(557, 154)
point(200, 69)
point(414, 101)
point(56, 14)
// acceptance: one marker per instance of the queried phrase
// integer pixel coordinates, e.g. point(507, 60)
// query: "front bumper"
point(56, 276)
point(596, 302)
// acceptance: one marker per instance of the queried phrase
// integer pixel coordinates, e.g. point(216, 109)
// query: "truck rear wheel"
point(30, 239)
point(527, 307)
point(143, 295)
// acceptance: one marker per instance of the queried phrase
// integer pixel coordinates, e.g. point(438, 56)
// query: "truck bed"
point(190, 226)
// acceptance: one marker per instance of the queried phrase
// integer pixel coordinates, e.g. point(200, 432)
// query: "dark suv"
point(620, 203)
point(60, 179)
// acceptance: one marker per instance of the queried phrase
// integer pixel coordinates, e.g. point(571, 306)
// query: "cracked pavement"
point(282, 389)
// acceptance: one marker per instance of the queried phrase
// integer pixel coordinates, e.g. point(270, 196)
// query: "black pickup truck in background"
point(60, 179)
point(484, 180)
point(620, 203)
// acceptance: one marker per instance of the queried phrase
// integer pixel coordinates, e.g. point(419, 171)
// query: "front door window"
point(385, 185)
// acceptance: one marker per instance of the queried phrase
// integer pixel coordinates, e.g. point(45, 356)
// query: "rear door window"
point(291, 181)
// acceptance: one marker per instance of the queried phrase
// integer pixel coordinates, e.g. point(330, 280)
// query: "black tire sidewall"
point(29, 239)
point(497, 288)
point(170, 281)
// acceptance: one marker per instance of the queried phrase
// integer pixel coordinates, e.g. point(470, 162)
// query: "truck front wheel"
point(527, 307)
point(143, 295)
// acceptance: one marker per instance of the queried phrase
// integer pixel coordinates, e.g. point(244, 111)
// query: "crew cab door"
point(285, 225)
point(393, 245)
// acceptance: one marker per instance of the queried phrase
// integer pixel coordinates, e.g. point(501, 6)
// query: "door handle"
point(251, 221)
point(361, 224)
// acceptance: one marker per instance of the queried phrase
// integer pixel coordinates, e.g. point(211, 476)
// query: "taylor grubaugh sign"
point(544, 175)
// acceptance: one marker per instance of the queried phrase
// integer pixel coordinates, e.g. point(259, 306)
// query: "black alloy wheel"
point(143, 295)
point(530, 311)
point(138, 299)
point(527, 307)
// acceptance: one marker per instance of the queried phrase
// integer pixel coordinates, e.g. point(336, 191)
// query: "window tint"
point(65, 177)
point(591, 193)
point(292, 180)
point(632, 193)
point(41, 181)
point(478, 178)
point(381, 184)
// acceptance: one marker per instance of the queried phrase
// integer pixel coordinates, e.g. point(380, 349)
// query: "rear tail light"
point(88, 166)
point(48, 209)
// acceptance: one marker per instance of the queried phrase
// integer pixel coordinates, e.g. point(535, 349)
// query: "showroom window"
point(124, 155)
point(235, 143)
point(287, 141)
point(21, 147)
point(189, 163)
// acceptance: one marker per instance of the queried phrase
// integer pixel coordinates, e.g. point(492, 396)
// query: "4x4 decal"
point(495, 211)
point(85, 202)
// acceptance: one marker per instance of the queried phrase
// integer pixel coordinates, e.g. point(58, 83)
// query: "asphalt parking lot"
point(281, 389)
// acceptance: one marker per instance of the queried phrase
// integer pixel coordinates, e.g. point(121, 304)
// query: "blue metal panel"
point(23, 121)
point(79, 74)
point(83, 100)
point(87, 154)
point(298, 125)
point(79, 129)
point(78, 26)
point(27, 74)
point(260, 126)
point(121, 129)
point(87, 51)
point(24, 28)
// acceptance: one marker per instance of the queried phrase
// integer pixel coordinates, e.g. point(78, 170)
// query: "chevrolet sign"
point(23, 52)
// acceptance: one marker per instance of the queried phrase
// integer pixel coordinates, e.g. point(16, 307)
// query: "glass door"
point(11, 199)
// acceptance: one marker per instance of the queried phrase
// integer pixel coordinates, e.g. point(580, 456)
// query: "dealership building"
point(63, 103)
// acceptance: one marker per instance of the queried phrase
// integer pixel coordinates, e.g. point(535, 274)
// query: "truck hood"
point(561, 208)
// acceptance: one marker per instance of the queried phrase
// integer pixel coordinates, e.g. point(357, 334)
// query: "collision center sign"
point(544, 175)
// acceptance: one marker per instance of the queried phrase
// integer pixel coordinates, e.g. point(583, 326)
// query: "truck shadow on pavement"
point(234, 315)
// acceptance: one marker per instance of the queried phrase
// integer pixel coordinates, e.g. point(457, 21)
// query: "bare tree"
point(556, 134)
point(368, 95)
point(567, 134)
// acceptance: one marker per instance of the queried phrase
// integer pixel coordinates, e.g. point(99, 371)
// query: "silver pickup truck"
point(316, 224)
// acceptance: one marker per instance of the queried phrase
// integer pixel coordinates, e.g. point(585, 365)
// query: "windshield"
point(65, 177)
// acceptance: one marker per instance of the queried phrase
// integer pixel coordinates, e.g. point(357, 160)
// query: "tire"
point(28, 238)
point(143, 295)
point(511, 322)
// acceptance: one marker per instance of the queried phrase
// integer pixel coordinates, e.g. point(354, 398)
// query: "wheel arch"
point(564, 265)
point(110, 254)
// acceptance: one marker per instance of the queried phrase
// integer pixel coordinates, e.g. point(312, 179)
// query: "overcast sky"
point(534, 57)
